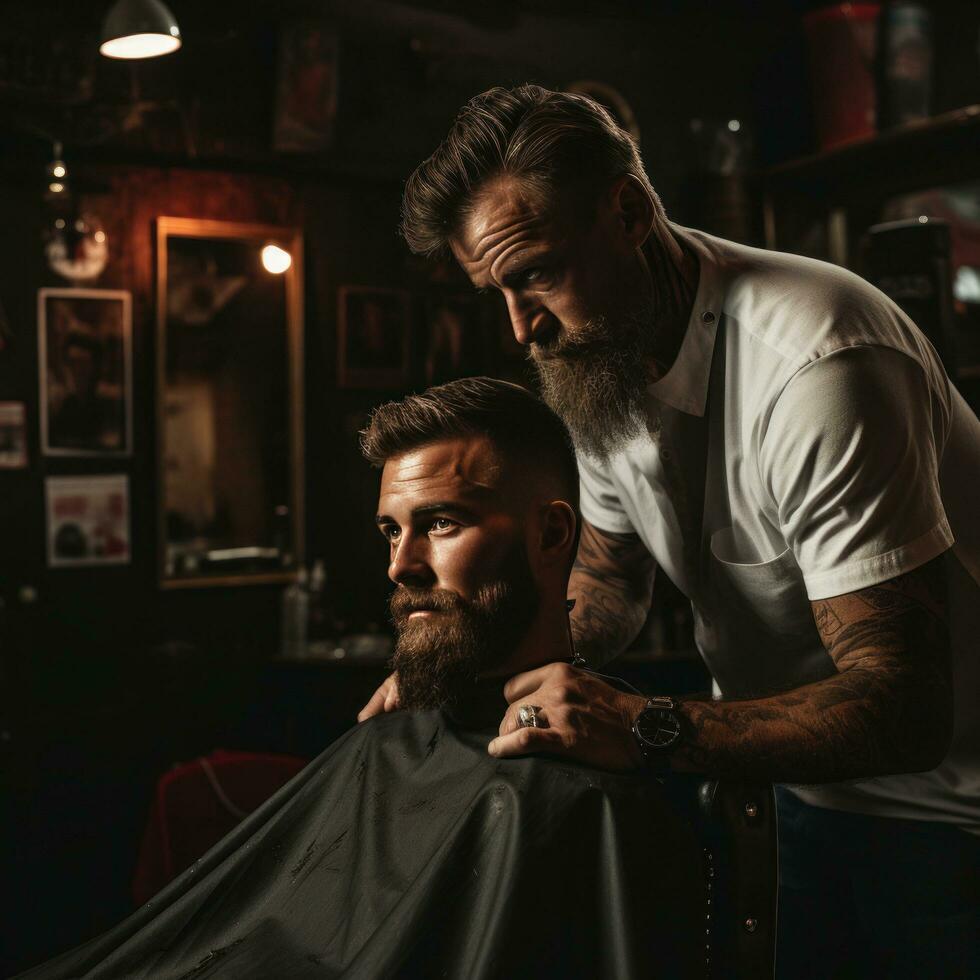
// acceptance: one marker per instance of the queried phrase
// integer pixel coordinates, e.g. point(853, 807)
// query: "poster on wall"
point(88, 520)
point(374, 337)
point(455, 338)
point(13, 436)
point(85, 363)
point(306, 96)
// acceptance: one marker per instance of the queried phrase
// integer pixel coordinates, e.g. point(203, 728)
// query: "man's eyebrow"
point(443, 507)
point(440, 507)
point(528, 258)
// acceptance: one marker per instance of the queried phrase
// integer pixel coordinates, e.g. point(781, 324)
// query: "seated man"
point(405, 849)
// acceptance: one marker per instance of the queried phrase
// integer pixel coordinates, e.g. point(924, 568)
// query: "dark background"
point(106, 679)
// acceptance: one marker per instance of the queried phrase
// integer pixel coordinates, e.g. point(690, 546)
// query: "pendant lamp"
point(139, 29)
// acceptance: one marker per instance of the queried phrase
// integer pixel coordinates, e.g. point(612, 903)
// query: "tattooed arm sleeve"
point(611, 583)
point(888, 709)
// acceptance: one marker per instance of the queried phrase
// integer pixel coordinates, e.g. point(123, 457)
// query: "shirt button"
point(708, 316)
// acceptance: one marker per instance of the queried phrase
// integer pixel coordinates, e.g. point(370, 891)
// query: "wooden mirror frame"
point(292, 239)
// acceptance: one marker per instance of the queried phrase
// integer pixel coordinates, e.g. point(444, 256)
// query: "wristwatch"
point(657, 729)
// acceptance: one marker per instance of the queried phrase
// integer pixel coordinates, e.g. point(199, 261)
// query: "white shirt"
point(805, 443)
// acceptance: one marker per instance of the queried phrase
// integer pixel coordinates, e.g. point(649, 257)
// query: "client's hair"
point(520, 425)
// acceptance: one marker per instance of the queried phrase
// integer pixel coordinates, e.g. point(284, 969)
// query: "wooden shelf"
point(940, 150)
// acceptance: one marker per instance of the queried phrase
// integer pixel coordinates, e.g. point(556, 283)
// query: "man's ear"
point(632, 209)
point(558, 525)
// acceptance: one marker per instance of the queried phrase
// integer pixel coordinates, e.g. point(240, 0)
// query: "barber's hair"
point(551, 142)
point(519, 425)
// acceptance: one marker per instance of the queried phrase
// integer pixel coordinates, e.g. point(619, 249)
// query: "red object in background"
point(842, 41)
point(197, 804)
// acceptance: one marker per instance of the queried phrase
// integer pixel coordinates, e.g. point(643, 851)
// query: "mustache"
point(405, 600)
point(561, 345)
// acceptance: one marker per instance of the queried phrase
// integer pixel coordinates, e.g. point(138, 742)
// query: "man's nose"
point(408, 565)
point(528, 319)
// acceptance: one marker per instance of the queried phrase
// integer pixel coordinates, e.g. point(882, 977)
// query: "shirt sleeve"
point(851, 458)
point(599, 500)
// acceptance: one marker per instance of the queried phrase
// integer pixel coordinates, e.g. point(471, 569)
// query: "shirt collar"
point(685, 385)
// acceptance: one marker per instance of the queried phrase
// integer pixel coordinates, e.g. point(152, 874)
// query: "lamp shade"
point(139, 29)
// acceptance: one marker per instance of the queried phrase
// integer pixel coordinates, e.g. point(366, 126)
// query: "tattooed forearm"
point(888, 709)
point(826, 619)
point(611, 583)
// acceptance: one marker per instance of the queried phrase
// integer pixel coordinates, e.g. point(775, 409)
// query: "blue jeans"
point(875, 897)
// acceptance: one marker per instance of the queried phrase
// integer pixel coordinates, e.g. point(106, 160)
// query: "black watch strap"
point(657, 730)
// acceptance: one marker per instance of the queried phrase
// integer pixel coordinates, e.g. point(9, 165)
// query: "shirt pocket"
point(759, 622)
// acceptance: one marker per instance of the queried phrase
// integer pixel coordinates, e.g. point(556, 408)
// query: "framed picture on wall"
point(88, 520)
point(456, 335)
point(373, 337)
point(306, 94)
point(85, 365)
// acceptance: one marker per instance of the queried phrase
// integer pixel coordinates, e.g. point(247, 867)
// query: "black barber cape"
point(405, 850)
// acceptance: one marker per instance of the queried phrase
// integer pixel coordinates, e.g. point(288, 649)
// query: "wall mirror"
point(229, 402)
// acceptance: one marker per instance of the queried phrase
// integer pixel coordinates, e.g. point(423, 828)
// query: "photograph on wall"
point(85, 360)
point(455, 338)
point(306, 96)
point(373, 338)
point(13, 436)
point(88, 520)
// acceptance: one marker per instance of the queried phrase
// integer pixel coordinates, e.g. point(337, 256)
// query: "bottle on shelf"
point(295, 617)
point(320, 627)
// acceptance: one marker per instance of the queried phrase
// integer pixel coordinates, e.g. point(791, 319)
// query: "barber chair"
point(197, 804)
point(736, 822)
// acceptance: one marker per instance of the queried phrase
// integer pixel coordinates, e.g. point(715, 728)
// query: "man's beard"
point(439, 658)
point(597, 380)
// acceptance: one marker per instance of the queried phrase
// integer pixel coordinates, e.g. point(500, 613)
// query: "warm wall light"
point(139, 29)
point(57, 169)
point(276, 259)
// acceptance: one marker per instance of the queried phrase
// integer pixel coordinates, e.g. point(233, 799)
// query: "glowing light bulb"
point(734, 125)
point(140, 46)
point(275, 259)
point(55, 187)
point(58, 170)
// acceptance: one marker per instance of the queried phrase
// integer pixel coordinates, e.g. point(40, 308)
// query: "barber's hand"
point(385, 698)
point(586, 719)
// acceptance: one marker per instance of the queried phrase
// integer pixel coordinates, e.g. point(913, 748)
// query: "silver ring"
point(527, 716)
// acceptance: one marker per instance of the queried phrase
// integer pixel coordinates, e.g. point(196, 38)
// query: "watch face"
point(658, 728)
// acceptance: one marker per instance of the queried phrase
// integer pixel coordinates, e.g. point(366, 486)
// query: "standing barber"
point(776, 435)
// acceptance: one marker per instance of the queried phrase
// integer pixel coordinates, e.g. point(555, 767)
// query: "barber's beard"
point(596, 380)
point(440, 657)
